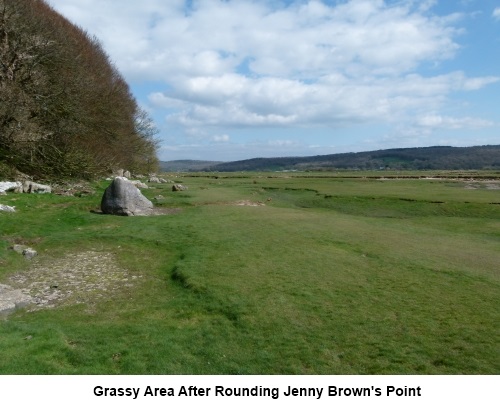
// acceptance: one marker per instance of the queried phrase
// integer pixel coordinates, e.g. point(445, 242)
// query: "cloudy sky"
point(235, 79)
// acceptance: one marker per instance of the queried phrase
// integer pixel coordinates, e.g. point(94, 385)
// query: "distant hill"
point(187, 165)
point(428, 158)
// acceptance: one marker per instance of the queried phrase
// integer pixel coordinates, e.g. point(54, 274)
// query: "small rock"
point(10, 299)
point(7, 208)
point(26, 251)
point(29, 253)
point(18, 248)
point(32, 187)
point(179, 187)
point(139, 184)
point(15, 186)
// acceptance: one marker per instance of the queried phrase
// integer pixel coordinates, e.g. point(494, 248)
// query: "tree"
point(65, 110)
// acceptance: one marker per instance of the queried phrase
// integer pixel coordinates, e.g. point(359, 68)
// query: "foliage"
point(65, 109)
point(332, 275)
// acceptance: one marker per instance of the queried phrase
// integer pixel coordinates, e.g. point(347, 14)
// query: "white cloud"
point(477, 83)
point(301, 63)
point(283, 143)
point(236, 100)
point(221, 138)
point(304, 39)
point(237, 151)
point(444, 122)
point(496, 13)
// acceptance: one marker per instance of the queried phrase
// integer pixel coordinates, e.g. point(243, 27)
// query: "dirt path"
point(84, 277)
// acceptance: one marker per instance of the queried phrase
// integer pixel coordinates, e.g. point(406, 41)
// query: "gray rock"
point(7, 208)
point(154, 180)
point(122, 197)
point(18, 248)
point(32, 187)
point(179, 187)
point(11, 299)
point(27, 187)
point(165, 181)
point(15, 186)
point(127, 174)
point(139, 184)
point(29, 253)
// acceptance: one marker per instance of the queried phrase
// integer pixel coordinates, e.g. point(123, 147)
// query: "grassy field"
point(269, 273)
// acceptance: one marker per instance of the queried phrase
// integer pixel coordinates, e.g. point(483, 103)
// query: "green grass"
point(334, 275)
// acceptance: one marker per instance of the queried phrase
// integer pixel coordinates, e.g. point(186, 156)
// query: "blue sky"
point(236, 79)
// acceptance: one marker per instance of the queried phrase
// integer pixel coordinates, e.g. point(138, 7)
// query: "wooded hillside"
point(65, 110)
point(428, 158)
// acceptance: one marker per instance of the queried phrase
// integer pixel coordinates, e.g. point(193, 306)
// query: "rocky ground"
point(84, 277)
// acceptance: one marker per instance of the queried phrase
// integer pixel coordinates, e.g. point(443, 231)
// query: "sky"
point(235, 79)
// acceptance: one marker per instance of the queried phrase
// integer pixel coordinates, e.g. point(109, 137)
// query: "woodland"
point(65, 109)
point(486, 157)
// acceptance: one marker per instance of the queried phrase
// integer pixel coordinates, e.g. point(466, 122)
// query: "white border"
point(55, 390)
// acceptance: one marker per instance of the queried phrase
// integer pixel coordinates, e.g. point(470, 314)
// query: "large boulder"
point(122, 197)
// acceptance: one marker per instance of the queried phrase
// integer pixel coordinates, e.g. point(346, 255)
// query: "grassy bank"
point(269, 274)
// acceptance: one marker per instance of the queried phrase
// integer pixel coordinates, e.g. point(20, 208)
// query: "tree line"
point(65, 110)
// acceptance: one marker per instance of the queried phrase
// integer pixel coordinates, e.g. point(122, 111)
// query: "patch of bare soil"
point(166, 211)
point(84, 277)
point(241, 203)
point(153, 212)
point(476, 185)
point(248, 203)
